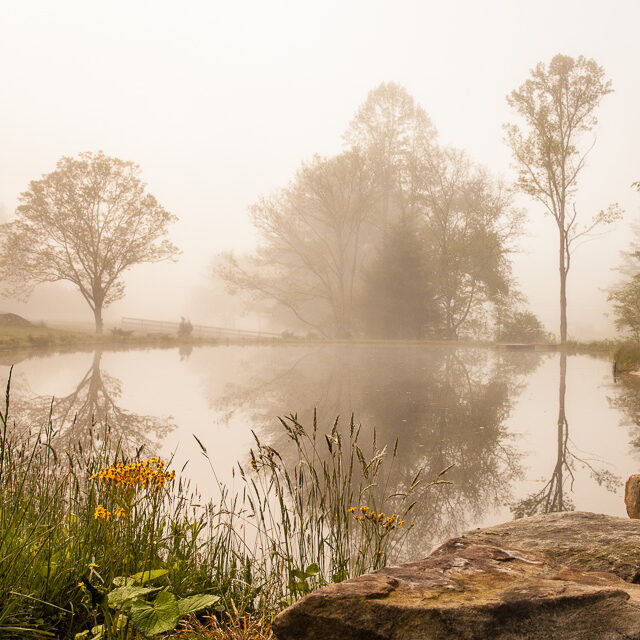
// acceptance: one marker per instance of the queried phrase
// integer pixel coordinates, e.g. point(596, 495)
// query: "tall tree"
point(398, 299)
point(87, 222)
point(394, 133)
point(312, 235)
point(469, 223)
point(558, 105)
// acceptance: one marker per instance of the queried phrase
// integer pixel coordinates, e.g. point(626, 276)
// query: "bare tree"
point(312, 236)
point(558, 106)
point(87, 222)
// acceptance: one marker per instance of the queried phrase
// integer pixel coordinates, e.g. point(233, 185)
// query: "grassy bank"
point(592, 346)
point(38, 337)
point(101, 541)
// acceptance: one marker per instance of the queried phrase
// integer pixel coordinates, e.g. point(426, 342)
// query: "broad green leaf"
point(121, 595)
point(157, 617)
point(147, 576)
point(195, 603)
point(312, 570)
point(123, 581)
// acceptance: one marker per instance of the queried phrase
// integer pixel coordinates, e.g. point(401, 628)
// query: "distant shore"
point(41, 338)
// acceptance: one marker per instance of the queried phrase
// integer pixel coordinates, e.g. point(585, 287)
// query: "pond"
point(528, 432)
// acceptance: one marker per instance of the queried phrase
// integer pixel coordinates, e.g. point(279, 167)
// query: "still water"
point(528, 432)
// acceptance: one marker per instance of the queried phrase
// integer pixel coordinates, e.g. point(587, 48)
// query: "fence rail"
point(199, 330)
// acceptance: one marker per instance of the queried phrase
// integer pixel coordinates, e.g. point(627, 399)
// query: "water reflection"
point(93, 406)
point(555, 495)
point(502, 418)
point(445, 406)
point(628, 401)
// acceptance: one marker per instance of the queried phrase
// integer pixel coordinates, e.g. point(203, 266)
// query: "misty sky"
point(220, 102)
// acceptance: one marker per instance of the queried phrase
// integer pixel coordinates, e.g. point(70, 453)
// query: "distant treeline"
point(396, 237)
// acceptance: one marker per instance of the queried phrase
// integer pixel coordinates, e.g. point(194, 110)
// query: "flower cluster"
point(103, 514)
point(143, 473)
point(388, 522)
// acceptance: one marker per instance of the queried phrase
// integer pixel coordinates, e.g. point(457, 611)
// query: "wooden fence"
point(143, 325)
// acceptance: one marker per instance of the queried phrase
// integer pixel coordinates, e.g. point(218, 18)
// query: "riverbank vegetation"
point(627, 356)
point(110, 543)
point(43, 337)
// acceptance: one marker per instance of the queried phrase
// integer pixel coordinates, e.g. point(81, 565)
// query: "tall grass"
point(298, 521)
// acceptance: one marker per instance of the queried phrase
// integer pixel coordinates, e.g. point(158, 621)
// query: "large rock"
point(586, 541)
point(489, 584)
point(632, 496)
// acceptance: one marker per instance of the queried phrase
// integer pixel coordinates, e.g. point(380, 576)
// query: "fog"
point(219, 103)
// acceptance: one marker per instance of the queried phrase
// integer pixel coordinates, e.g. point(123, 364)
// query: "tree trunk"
point(563, 292)
point(97, 314)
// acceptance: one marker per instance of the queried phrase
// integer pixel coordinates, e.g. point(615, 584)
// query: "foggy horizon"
point(220, 105)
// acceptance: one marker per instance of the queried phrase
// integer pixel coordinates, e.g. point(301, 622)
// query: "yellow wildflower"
point(102, 514)
point(142, 473)
point(387, 522)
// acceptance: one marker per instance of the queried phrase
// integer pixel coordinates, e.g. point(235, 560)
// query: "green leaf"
point(123, 581)
point(195, 603)
point(339, 576)
point(121, 595)
point(147, 576)
point(157, 617)
point(301, 586)
point(288, 601)
point(312, 570)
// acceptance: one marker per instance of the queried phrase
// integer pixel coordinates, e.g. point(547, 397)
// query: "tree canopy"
point(394, 237)
point(312, 235)
point(87, 222)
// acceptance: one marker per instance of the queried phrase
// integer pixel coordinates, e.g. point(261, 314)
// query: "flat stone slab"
point(472, 588)
point(586, 541)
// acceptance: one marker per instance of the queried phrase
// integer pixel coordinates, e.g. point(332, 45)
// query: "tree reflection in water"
point(444, 405)
point(555, 494)
point(82, 416)
point(628, 400)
